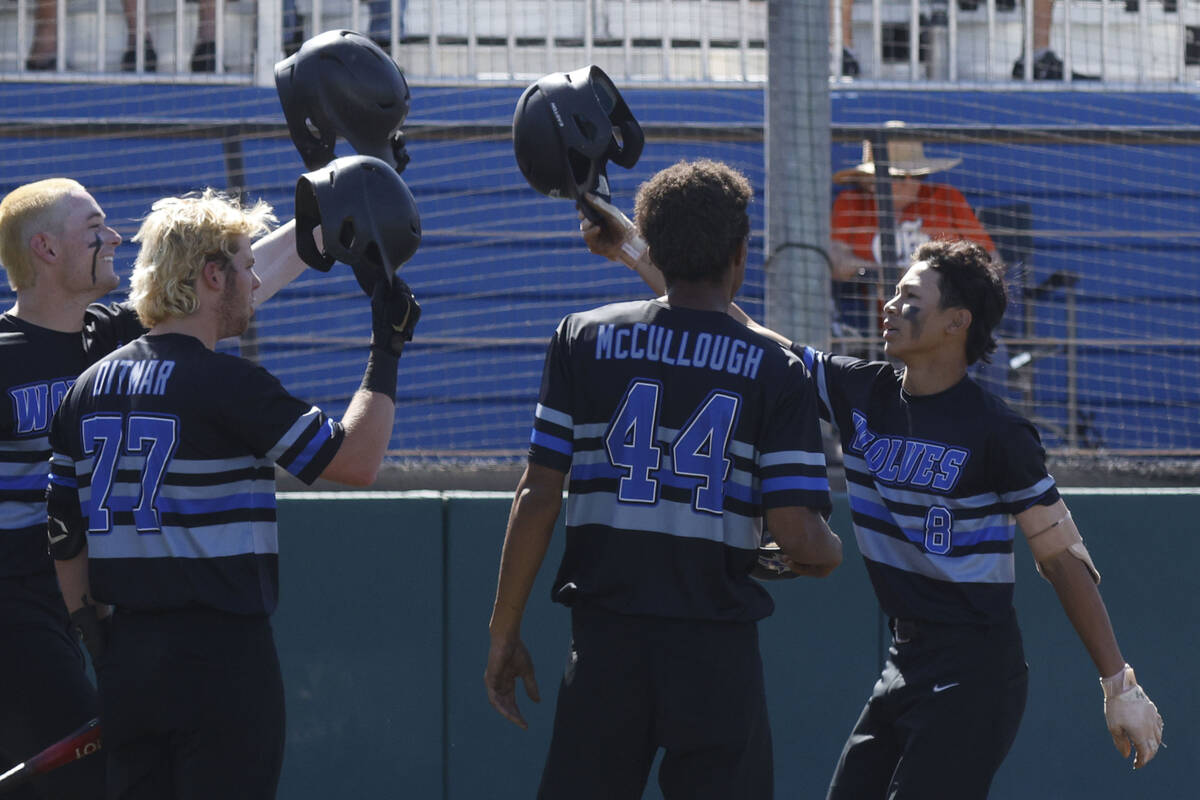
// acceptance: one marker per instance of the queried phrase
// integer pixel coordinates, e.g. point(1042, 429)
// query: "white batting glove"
point(616, 238)
point(1133, 719)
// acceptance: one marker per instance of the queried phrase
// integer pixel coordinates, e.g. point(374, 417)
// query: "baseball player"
point(679, 430)
point(162, 493)
point(57, 251)
point(941, 474)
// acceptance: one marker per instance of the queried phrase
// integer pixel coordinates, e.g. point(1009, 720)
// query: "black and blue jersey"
point(39, 365)
point(163, 452)
point(933, 484)
point(678, 428)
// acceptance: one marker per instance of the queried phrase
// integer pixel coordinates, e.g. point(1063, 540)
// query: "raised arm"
point(1133, 719)
point(276, 262)
point(369, 418)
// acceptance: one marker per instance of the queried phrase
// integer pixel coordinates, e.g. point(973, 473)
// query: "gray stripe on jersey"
point(1038, 489)
point(553, 417)
point(17, 516)
point(975, 568)
point(21, 469)
point(264, 488)
point(294, 432)
point(207, 466)
point(182, 466)
point(791, 457)
point(665, 516)
point(213, 541)
point(25, 445)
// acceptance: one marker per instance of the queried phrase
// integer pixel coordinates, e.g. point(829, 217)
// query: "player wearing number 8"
point(162, 485)
point(940, 475)
point(678, 431)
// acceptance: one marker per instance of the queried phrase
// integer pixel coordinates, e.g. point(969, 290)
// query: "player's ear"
point(213, 274)
point(41, 245)
point(960, 322)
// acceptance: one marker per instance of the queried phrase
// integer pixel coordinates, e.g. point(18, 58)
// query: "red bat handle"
point(79, 743)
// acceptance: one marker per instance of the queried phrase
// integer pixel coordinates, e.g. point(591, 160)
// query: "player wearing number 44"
point(162, 504)
point(57, 251)
point(678, 430)
point(940, 474)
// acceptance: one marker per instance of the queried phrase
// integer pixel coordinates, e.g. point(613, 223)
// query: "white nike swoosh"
point(57, 539)
point(941, 687)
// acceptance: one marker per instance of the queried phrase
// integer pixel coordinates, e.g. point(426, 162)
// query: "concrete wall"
point(382, 631)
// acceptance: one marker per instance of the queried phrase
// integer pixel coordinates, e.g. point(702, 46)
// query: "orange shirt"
point(939, 212)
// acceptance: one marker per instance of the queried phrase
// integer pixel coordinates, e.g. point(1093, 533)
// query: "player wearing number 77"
point(57, 251)
point(162, 485)
point(678, 430)
point(940, 474)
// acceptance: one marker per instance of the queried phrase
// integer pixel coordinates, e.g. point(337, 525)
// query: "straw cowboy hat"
point(906, 157)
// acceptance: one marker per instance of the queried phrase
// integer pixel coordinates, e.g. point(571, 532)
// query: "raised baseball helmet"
point(367, 215)
point(567, 127)
point(340, 83)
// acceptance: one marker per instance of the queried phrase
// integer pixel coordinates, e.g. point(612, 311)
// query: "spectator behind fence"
point(1047, 66)
point(850, 68)
point(921, 211)
point(43, 55)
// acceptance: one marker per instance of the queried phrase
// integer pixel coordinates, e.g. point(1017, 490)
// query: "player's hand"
point(615, 238)
point(1133, 719)
point(92, 630)
point(508, 660)
point(772, 564)
point(394, 315)
point(808, 570)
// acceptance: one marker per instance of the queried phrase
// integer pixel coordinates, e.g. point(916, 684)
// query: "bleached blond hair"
point(177, 238)
point(28, 210)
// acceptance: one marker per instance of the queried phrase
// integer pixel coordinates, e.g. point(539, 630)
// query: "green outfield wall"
point(382, 633)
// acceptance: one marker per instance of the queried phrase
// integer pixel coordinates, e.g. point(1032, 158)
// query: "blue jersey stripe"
point(794, 482)
point(306, 455)
point(555, 443)
point(19, 483)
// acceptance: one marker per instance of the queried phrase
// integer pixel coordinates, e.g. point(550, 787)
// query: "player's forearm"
point(805, 538)
point(1085, 609)
point(531, 522)
point(276, 262)
point(73, 581)
point(368, 425)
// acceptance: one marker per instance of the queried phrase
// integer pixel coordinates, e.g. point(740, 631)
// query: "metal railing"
point(896, 41)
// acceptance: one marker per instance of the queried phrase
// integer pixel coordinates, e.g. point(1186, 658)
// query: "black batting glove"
point(394, 315)
point(91, 630)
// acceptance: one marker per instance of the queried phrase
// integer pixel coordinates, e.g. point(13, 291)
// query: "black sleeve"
point(552, 440)
point(1017, 463)
point(294, 434)
point(108, 327)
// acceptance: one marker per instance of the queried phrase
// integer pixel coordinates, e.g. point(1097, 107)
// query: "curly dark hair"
point(693, 217)
point(969, 278)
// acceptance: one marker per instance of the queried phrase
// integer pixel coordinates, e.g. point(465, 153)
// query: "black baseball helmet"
point(367, 215)
point(340, 83)
point(567, 127)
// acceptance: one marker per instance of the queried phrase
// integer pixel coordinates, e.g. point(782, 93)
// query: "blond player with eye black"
point(941, 475)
